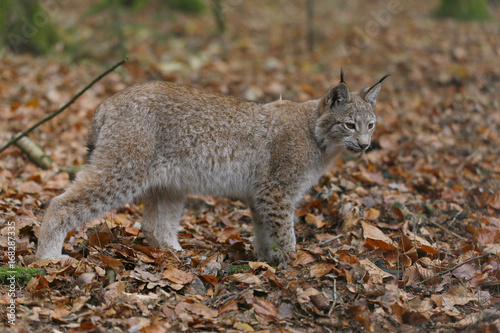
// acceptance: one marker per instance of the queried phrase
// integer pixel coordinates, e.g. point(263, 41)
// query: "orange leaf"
point(323, 268)
point(304, 258)
point(229, 306)
point(59, 312)
point(114, 264)
point(263, 309)
point(494, 201)
point(175, 275)
point(196, 309)
point(488, 235)
point(314, 220)
point(213, 280)
point(256, 265)
point(30, 187)
point(375, 237)
point(372, 214)
point(247, 278)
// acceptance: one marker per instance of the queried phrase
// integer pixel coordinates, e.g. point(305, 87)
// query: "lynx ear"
point(370, 94)
point(337, 96)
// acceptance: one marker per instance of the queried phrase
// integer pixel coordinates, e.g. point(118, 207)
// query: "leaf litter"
point(405, 238)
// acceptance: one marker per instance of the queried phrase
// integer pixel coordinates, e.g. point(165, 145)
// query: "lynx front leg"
point(273, 221)
point(161, 219)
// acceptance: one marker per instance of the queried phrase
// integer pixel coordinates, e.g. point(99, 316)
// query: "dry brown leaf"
point(30, 187)
point(362, 314)
point(303, 258)
point(195, 309)
point(372, 214)
point(177, 276)
point(314, 220)
point(304, 296)
point(411, 275)
point(210, 279)
point(114, 264)
point(494, 201)
point(247, 278)
point(263, 309)
point(376, 238)
point(243, 327)
point(154, 329)
point(488, 235)
point(377, 275)
point(255, 265)
point(59, 311)
point(321, 269)
point(458, 295)
point(351, 220)
point(229, 306)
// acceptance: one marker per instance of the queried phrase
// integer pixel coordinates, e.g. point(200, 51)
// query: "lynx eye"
point(371, 125)
point(350, 126)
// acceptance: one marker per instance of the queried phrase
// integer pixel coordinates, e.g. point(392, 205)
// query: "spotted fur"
point(160, 142)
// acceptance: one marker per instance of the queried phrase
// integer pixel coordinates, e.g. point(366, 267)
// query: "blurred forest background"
point(425, 200)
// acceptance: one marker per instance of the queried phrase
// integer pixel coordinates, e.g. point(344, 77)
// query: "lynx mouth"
point(355, 150)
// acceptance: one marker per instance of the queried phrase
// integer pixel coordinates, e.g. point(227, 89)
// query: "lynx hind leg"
point(273, 222)
point(92, 194)
point(162, 212)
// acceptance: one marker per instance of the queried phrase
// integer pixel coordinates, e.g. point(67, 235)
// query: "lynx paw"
point(60, 257)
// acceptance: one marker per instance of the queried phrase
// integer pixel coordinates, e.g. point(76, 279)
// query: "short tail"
point(94, 130)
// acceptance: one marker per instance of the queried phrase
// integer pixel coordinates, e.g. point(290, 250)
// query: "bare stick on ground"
point(26, 132)
point(454, 267)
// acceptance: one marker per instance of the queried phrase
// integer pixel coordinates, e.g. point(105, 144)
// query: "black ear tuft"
point(379, 81)
point(337, 96)
point(341, 75)
point(370, 94)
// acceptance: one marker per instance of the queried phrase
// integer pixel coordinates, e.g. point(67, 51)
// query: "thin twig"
point(26, 132)
point(334, 298)
point(323, 242)
point(453, 268)
point(226, 297)
point(447, 230)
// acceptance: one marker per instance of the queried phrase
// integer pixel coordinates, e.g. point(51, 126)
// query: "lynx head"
point(347, 120)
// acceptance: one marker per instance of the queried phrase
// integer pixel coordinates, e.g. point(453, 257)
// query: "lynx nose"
point(363, 145)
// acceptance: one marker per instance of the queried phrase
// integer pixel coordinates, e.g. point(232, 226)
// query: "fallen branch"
point(34, 152)
point(453, 268)
point(447, 230)
point(26, 132)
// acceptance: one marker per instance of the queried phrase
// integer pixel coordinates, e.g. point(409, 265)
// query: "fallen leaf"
point(263, 309)
point(376, 238)
point(303, 258)
point(314, 220)
point(59, 311)
point(372, 214)
point(247, 278)
point(114, 264)
point(321, 269)
point(177, 276)
point(195, 309)
point(30, 187)
point(255, 265)
point(494, 201)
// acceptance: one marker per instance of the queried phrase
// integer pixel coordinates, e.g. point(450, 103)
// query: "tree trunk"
point(26, 27)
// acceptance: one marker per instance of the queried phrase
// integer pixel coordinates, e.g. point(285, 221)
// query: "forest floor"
point(406, 238)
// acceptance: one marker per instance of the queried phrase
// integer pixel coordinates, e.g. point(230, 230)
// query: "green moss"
point(21, 274)
point(464, 10)
point(238, 268)
point(187, 6)
point(26, 27)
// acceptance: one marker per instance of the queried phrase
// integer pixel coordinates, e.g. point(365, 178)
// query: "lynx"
point(159, 142)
